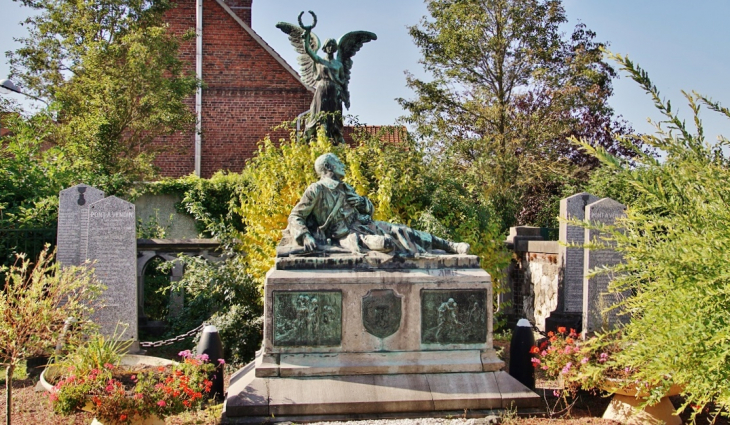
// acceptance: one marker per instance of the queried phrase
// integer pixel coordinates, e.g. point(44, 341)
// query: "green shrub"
point(34, 304)
point(676, 245)
point(209, 201)
point(222, 294)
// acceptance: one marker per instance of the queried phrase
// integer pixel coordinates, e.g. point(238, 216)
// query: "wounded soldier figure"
point(331, 213)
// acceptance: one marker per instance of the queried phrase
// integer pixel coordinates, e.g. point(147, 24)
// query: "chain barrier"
point(536, 329)
point(173, 340)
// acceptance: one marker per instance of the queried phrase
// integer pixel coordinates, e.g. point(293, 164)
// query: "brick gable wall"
point(247, 92)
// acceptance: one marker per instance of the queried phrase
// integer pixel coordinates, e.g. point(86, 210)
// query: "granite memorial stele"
point(364, 317)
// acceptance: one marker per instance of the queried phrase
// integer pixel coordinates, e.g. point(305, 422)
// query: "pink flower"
point(161, 403)
point(544, 353)
point(535, 361)
point(602, 358)
point(138, 396)
point(556, 393)
point(204, 357)
point(584, 360)
point(185, 354)
point(221, 361)
point(566, 369)
point(545, 367)
point(53, 397)
point(108, 365)
point(567, 349)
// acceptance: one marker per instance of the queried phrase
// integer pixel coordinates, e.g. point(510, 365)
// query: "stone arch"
point(168, 250)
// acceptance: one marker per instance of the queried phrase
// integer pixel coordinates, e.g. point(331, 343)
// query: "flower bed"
point(585, 364)
point(118, 393)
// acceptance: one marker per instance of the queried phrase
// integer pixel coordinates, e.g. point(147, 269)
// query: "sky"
point(682, 44)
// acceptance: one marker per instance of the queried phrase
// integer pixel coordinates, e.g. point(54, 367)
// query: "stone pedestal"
point(365, 335)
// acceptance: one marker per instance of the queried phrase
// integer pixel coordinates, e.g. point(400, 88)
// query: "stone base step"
point(363, 395)
point(486, 417)
point(381, 363)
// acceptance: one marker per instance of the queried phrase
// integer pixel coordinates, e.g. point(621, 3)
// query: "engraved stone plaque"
point(381, 312)
point(453, 316)
point(597, 300)
point(307, 318)
point(73, 223)
point(112, 245)
point(571, 258)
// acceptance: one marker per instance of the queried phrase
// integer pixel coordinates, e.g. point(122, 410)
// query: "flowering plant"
point(586, 364)
point(117, 394)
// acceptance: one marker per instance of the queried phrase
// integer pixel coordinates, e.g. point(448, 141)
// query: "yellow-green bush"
point(402, 185)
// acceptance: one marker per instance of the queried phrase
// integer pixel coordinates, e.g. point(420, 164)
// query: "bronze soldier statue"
point(331, 213)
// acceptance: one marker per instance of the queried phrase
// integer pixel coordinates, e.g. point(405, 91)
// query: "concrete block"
point(247, 395)
point(459, 391)
point(490, 361)
point(380, 363)
point(362, 394)
point(267, 365)
point(514, 394)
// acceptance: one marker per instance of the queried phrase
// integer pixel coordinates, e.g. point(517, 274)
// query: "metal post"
point(199, 90)
point(211, 345)
point(520, 358)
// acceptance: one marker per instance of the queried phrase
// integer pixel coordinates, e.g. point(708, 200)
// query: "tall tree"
point(111, 71)
point(508, 90)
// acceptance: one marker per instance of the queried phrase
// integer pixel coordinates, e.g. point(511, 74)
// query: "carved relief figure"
point(448, 320)
point(307, 318)
point(453, 317)
point(330, 213)
point(329, 75)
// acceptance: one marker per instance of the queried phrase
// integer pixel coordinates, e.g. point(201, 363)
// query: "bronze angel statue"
point(329, 76)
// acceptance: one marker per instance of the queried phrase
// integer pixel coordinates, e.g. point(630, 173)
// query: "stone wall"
point(554, 283)
point(542, 272)
point(533, 276)
point(161, 208)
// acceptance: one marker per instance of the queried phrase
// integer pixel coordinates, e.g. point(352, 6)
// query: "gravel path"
point(419, 421)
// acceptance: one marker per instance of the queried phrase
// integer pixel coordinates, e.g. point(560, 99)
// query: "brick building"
point(248, 89)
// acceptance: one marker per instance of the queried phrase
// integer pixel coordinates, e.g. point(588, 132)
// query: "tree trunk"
point(8, 392)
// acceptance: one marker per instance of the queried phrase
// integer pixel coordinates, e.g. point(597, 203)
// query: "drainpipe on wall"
point(199, 76)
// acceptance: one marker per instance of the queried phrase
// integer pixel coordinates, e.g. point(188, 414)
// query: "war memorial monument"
point(364, 317)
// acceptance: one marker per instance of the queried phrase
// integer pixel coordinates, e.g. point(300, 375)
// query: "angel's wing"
point(348, 45)
point(306, 64)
